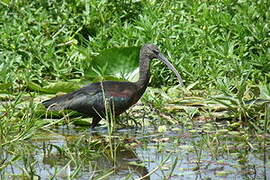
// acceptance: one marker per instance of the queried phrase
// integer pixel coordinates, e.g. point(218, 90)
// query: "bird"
point(121, 95)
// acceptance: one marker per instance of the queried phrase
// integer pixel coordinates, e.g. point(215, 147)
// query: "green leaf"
point(115, 63)
point(82, 122)
point(55, 87)
point(134, 163)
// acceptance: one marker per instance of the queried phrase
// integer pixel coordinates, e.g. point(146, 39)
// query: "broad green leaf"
point(115, 63)
point(112, 64)
point(55, 87)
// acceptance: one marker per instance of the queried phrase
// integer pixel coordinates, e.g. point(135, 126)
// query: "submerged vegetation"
point(218, 125)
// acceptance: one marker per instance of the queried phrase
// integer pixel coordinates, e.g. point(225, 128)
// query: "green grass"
point(207, 40)
point(219, 47)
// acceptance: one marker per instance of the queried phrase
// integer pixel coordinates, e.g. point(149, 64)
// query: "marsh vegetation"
point(215, 127)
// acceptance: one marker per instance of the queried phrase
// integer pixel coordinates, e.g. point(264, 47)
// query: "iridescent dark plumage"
point(121, 95)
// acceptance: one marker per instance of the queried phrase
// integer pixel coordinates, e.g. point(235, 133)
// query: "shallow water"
point(189, 155)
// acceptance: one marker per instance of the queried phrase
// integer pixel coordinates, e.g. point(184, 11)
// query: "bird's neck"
point(144, 74)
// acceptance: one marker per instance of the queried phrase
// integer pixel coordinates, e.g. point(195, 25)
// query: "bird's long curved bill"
point(167, 62)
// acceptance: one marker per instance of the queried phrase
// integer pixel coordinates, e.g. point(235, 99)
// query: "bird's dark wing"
point(90, 99)
point(79, 99)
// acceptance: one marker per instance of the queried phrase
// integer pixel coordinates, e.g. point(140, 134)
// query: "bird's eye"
point(155, 51)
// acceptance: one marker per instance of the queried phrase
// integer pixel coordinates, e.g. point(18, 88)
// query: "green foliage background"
point(208, 41)
point(49, 46)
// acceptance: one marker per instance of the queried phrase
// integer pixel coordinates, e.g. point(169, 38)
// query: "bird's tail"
point(55, 104)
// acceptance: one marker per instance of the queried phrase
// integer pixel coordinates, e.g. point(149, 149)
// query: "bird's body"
point(90, 100)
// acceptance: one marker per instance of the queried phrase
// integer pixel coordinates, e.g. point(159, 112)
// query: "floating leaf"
point(82, 122)
point(223, 173)
point(222, 131)
point(120, 63)
point(186, 147)
point(134, 163)
point(55, 87)
point(234, 133)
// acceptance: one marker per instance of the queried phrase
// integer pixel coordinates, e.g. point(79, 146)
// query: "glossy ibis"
point(90, 100)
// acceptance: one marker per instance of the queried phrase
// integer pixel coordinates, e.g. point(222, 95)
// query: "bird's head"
point(152, 52)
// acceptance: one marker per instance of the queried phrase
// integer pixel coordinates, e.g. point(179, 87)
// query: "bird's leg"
point(95, 121)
